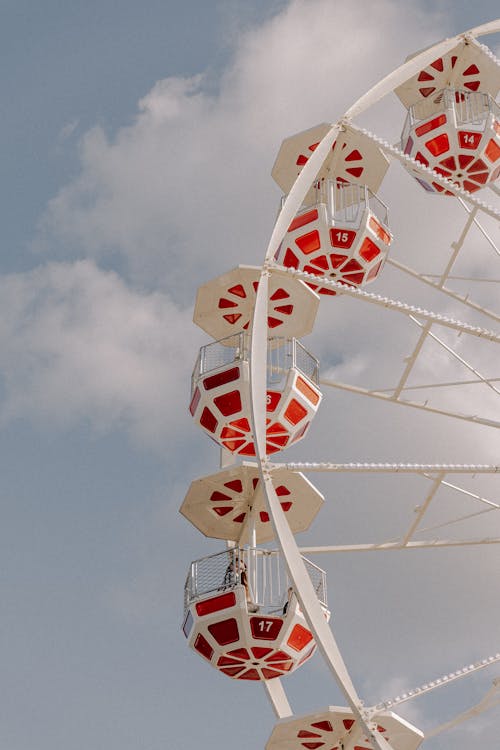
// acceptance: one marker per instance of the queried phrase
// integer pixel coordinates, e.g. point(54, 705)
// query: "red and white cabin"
point(241, 615)
point(220, 393)
point(342, 234)
point(457, 134)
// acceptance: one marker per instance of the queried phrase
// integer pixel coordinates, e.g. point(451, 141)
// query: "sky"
point(138, 145)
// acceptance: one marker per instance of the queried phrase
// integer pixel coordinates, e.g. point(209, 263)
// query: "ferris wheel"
point(258, 609)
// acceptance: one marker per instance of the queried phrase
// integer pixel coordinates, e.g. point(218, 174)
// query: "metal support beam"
point(277, 697)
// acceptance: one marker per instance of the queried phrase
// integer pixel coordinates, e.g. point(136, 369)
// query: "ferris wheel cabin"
point(342, 234)
point(457, 134)
point(453, 120)
point(220, 393)
point(241, 615)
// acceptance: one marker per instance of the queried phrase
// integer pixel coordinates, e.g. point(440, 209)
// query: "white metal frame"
point(435, 474)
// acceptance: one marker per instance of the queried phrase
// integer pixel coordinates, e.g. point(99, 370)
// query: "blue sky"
point(138, 143)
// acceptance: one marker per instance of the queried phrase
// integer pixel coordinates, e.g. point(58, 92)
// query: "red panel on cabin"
point(240, 424)
point(235, 485)
point(225, 631)
point(337, 260)
point(278, 656)
point(233, 445)
point(226, 376)
point(295, 412)
point(248, 450)
point(224, 303)
point(290, 260)
point(469, 138)
point(272, 400)
point(430, 125)
point(217, 497)
point(299, 638)
point(325, 726)
point(216, 603)
point(265, 628)
point(279, 294)
point(379, 230)
point(239, 653)
point(282, 490)
point(421, 158)
point(225, 661)
point(309, 393)
point(438, 145)
point(232, 318)
point(369, 250)
point(228, 403)
point(280, 440)
point(250, 674)
point(223, 511)
point(303, 219)
point(342, 237)
point(208, 420)
point(203, 647)
point(492, 150)
point(238, 290)
point(309, 242)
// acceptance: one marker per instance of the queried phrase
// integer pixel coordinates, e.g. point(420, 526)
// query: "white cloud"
point(186, 189)
point(76, 343)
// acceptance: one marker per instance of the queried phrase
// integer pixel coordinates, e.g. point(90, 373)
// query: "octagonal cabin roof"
point(225, 305)
point(353, 158)
point(469, 66)
point(218, 504)
point(333, 726)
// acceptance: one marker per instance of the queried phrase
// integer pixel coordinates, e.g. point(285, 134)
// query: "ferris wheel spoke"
point(442, 681)
point(426, 279)
point(456, 356)
point(490, 700)
point(455, 520)
point(390, 468)
point(411, 360)
point(422, 510)
point(359, 390)
point(430, 386)
point(492, 505)
point(434, 473)
point(390, 304)
point(397, 546)
point(478, 224)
